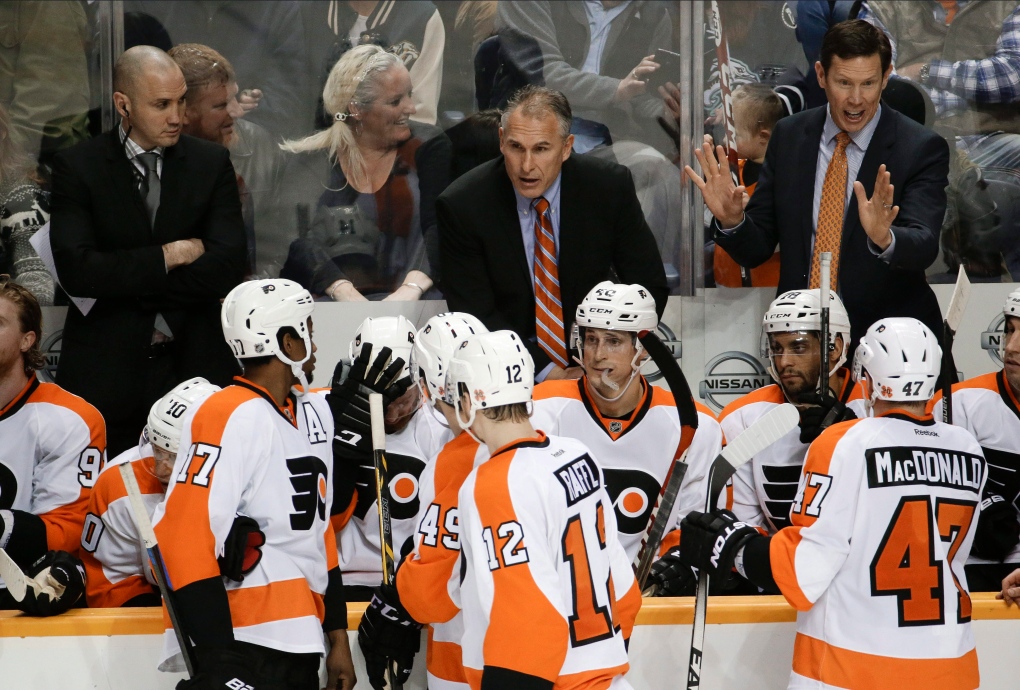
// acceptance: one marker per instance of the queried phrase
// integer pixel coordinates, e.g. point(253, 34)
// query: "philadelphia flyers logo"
point(404, 472)
point(633, 493)
point(308, 478)
point(8, 487)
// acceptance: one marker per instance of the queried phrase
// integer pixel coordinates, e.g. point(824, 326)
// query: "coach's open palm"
point(724, 199)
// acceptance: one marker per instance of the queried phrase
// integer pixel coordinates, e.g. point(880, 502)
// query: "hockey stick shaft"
point(722, 53)
point(769, 428)
point(148, 535)
point(382, 494)
point(954, 315)
point(825, 265)
point(684, 401)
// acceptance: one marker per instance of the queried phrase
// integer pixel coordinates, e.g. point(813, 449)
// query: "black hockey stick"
point(144, 525)
point(684, 400)
point(954, 315)
point(825, 262)
point(382, 494)
point(769, 428)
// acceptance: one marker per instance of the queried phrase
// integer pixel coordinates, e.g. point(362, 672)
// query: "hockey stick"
point(144, 525)
point(954, 315)
point(382, 494)
point(688, 413)
point(15, 579)
point(825, 261)
point(767, 430)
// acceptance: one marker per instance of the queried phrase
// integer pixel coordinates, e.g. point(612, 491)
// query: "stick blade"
point(14, 578)
point(958, 302)
point(771, 427)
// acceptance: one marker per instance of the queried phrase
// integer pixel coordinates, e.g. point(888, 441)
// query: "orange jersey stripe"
point(277, 601)
point(445, 660)
point(844, 668)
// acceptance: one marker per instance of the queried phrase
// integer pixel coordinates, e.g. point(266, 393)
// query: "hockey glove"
point(349, 391)
point(59, 583)
point(388, 633)
point(226, 667)
point(998, 531)
point(712, 540)
point(242, 549)
point(820, 414)
point(671, 577)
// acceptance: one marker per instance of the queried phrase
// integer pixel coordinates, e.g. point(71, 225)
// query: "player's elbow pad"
point(22, 536)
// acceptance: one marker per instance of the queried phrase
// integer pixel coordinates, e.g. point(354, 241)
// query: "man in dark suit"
point(524, 237)
point(148, 223)
point(884, 233)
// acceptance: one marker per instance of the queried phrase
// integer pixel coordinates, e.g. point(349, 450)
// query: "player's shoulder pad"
point(558, 388)
point(766, 394)
point(705, 410)
point(53, 394)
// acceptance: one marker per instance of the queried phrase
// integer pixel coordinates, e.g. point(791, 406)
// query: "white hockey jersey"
point(248, 456)
point(52, 449)
point(407, 453)
point(548, 590)
point(986, 407)
point(882, 524)
point(115, 560)
point(429, 578)
point(763, 489)
point(635, 454)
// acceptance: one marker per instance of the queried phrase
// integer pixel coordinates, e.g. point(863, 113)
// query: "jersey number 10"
point(905, 565)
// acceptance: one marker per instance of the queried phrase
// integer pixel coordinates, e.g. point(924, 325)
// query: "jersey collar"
point(20, 399)
point(897, 413)
point(288, 411)
point(615, 428)
point(539, 441)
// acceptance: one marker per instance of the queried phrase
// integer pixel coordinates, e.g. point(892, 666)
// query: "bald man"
point(148, 223)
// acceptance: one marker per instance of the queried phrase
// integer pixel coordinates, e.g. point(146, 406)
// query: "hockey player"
point(414, 435)
point(548, 593)
point(52, 448)
point(429, 577)
point(115, 562)
point(630, 425)
point(882, 524)
point(987, 406)
point(259, 451)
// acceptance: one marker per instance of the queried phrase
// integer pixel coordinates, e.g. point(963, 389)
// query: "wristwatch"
point(925, 68)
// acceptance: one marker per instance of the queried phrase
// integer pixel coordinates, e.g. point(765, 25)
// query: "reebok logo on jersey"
point(900, 466)
point(579, 478)
point(925, 432)
point(308, 477)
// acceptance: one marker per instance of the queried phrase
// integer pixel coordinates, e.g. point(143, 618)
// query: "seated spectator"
point(115, 561)
point(52, 448)
point(214, 114)
point(756, 110)
point(375, 227)
point(24, 208)
point(413, 31)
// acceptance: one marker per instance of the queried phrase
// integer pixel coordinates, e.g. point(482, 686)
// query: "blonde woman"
point(375, 227)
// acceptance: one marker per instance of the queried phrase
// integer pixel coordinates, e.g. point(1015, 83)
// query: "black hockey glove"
point(671, 577)
point(820, 414)
point(242, 549)
point(388, 633)
point(712, 540)
point(998, 531)
point(226, 667)
point(60, 573)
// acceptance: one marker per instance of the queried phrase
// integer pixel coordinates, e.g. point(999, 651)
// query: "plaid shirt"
point(954, 86)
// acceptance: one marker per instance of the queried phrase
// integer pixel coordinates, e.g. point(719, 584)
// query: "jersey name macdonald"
point(900, 466)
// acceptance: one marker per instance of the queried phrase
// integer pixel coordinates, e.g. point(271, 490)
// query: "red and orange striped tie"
point(548, 306)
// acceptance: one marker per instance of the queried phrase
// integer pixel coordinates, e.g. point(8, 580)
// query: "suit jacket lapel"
point(170, 194)
point(123, 180)
point(878, 152)
point(806, 163)
point(508, 220)
point(572, 201)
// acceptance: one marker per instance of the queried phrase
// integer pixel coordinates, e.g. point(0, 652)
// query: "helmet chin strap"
point(296, 368)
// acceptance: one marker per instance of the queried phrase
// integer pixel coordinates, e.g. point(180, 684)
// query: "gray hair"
point(536, 101)
point(354, 80)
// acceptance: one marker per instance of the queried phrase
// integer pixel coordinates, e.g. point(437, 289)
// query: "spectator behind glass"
point(375, 226)
point(214, 114)
point(24, 208)
point(756, 110)
point(44, 81)
point(413, 31)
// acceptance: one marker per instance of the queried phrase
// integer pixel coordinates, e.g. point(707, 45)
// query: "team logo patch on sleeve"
point(580, 478)
point(900, 466)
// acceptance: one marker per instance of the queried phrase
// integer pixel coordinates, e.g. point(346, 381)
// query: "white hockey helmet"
point(617, 307)
point(166, 417)
point(1012, 305)
point(394, 332)
point(496, 368)
point(800, 311)
point(903, 358)
point(255, 311)
point(435, 345)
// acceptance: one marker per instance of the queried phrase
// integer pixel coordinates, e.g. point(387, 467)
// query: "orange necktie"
point(829, 232)
point(950, 6)
point(548, 307)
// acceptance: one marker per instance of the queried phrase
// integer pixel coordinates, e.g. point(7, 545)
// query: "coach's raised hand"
point(724, 199)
